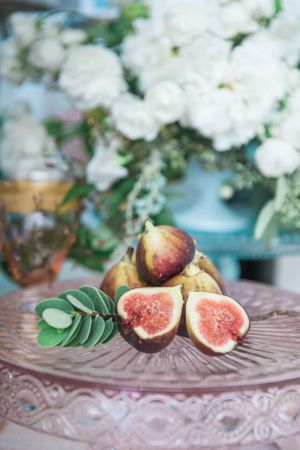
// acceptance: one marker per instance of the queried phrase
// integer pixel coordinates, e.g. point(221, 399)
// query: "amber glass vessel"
point(36, 232)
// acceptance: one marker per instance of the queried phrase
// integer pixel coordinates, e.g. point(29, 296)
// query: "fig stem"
point(149, 225)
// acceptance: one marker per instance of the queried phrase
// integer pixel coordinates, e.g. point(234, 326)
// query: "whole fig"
point(206, 264)
point(162, 252)
point(122, 273)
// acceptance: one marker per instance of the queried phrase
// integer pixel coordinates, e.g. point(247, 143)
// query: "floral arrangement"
point(167, 80)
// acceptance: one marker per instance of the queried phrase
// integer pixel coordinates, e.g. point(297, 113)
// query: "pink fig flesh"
point(148, 318)
point(215, 323)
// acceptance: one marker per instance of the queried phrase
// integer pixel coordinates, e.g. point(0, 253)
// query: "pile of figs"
point(173, 289)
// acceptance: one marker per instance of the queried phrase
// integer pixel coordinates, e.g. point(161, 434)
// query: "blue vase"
point(197, 206)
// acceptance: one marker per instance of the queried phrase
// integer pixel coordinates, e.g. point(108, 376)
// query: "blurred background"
point(31, 100)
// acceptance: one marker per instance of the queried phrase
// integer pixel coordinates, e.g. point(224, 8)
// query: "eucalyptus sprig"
point(84, 317)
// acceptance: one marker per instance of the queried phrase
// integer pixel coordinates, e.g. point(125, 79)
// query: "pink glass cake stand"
point(114, 397)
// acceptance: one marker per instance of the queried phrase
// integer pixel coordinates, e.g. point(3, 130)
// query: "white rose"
point(92, 76)
point(166, 101)
point(25, 146)
point(259, 8)
point(10, 66)
point(133, 118)
point(235, 19)
point(184, 20)
point(72, 36)
point(47, 54)
point(103, 169)
point(23, 29)
point(275, 158)
point(50, 29)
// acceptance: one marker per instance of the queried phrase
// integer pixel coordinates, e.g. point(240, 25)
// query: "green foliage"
point(84, 316)
point(94, 246)
point(78, 191)
point(120, 291)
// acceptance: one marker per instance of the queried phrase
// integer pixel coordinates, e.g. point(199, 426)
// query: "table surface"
point(58, 393)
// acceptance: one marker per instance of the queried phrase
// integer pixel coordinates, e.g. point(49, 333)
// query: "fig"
point(215, 323)
point(122, 273)
point(206, 264)
point(192, 279)
point(162, 252)
point(148, 318)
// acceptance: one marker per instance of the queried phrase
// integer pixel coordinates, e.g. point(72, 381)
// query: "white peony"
point(184, 20)
point(103, 169)
point(25, 147)
point(72, 36)
point(166, 101)
point(260, 8)
point(275, 158)
point(47, 54)
point(232, 113)
point(235, 19)
point(92, 76)
point(23, 29)
point(134, 119)
point(10, 67)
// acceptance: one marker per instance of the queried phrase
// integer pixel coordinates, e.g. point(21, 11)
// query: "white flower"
point(284, 31)
point(10, 66)
point(23, 29)
point(103, 169)
point(275, 158)
point(92, 76)
point(232, 113)
point(166, 101)
point(25, 146)
point(235, 19)
point(50, 29)
point(286, 123)
point(72, 36)
point(47, 54)
point(133, 118)
point(260, 8)
point(184, 20)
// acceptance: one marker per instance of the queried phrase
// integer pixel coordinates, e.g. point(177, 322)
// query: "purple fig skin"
point(162, 253)
point(153, 345)
point(123, 273)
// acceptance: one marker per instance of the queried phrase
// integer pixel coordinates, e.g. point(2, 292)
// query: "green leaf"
point(79, 300)
point(278, 6)
point(85, 329)
point(109, 327)
point(264, 219)
point(97, 331)
point(78, 191)
point(113, 334)
point(50, 337)
point(109, 302)
point(57, 318)
point(73, 331)
point(281, 192)
point(56, 303)
point(96, 297)
point(42, 325)
point(120, 291)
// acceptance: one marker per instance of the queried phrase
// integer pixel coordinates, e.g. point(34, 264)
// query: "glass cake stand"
point(113, 397)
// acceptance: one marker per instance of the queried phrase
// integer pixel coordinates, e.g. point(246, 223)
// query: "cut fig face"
point(215, 323)
point(149, 317)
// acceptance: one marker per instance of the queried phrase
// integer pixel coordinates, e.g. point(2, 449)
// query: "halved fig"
point(215, 323)
point(148, 318)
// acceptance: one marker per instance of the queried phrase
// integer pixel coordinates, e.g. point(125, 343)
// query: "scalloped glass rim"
point(269, 355)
